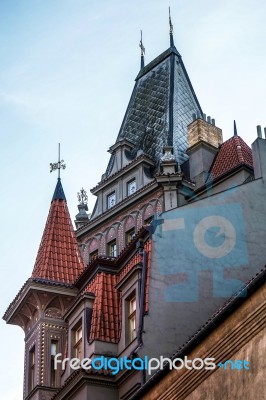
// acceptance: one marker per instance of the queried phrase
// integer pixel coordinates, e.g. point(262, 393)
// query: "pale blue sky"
point(67, 69)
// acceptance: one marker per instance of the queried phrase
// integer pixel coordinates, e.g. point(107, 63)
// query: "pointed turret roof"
point(58, 258)
point(233, 153)
point(160, 108)
point(59, 191)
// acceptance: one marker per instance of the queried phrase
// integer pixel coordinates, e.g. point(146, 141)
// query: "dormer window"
point(112, 248)
point(130, 235)
point(77, 336)
point(131, 187)
point(131, 318)
point(111, 200)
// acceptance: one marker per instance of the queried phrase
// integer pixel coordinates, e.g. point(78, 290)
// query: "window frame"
point(32, 365)
point(109, 248)
point(93, 255)
point(77, 341)
point(128, 186)
point(108, 197)
point(129, 235)
point(53, 374)
point(131, 317)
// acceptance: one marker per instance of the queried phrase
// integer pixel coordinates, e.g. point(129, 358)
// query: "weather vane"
point(82, 197)
point(59, 165)
point(141, 45)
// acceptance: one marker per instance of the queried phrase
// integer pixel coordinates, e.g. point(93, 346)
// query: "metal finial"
point(142, 48)
point(235, 130)
point(59, 165)
point(82, 196)
point(171, 29)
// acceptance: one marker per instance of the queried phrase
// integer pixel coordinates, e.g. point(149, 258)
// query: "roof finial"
point(142, 48)
point(59, 165)
point(235, 130)
point(171, 29)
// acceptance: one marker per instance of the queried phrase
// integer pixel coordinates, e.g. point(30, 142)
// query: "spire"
point(171, 30)
point(235, 130)
point(142, 48)
point(59, 192)
point(58, 258)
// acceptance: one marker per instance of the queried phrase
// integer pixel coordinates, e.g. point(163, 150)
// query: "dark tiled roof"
point(59, 192)
point(58, 258)
point(232, 153)
point(160, 108)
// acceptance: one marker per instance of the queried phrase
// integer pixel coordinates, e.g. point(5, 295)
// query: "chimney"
point(259, 154)
point(204, 139)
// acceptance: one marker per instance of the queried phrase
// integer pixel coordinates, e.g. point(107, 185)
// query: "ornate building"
point(109, 288)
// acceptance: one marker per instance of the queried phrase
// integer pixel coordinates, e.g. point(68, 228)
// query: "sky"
point(67, 70)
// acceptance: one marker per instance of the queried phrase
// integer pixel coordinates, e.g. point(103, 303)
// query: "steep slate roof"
point(58, 257)
point(160, 108)
point(232, 153)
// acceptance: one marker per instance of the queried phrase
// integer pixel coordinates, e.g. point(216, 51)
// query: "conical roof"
point(58, 258)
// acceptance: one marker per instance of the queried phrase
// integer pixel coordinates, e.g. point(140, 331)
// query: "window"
point(54, 345)
point(130, 235)
point(148, 220)
point(78, 343)
point(131, 187)
point(131, 303)
point(111, 200)
point(31, 368)
point(112, 248)
point(93, 255)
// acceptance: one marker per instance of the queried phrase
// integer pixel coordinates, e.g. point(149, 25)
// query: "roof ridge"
point(239, 149)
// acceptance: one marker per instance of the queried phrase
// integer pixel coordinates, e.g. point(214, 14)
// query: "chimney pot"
point(259, 131)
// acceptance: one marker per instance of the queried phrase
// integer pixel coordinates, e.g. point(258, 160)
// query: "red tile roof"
point(107, 310)
point(232, 153)
point(105, 315)
point(58, 258)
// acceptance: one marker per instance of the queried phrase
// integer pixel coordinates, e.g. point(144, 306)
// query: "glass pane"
point(53, 348)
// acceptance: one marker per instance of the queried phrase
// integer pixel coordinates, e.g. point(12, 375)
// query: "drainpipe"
point(133, 353)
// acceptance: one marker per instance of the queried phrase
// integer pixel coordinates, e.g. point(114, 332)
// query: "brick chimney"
point(204, 139)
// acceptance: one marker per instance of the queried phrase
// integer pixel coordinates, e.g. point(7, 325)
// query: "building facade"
point(133, 280)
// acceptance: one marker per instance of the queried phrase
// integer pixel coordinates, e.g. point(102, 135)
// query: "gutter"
point(133, 354)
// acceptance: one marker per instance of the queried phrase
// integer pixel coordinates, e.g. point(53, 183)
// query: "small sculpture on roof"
point(82, 196)
point(168, 154)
